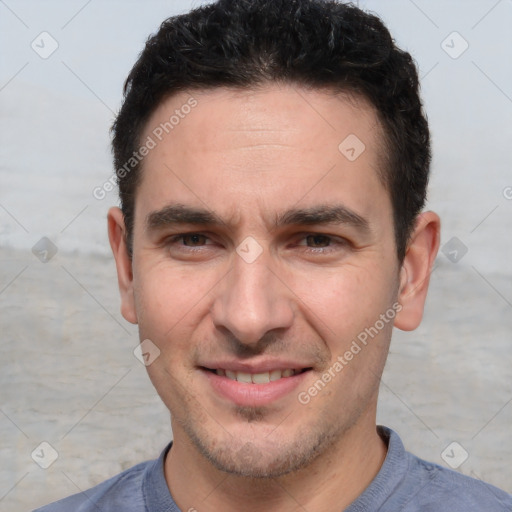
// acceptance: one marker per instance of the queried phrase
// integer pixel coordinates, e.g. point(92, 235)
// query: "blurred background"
point(76, 405)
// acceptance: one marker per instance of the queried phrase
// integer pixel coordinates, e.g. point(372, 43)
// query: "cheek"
point(171, 305)
point(345, 300)
point(166, 297)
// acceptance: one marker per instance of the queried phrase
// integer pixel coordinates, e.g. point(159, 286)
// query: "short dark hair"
point(311, 43)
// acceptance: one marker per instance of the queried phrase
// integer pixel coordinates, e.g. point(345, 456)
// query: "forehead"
point(262, 147)
point(269, 111)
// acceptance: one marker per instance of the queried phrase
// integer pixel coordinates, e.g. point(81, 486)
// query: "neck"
point(336, 477)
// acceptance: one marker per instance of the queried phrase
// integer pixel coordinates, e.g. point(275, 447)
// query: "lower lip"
point(253, 395)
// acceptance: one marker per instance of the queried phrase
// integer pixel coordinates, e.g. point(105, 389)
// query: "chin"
point(266, 459)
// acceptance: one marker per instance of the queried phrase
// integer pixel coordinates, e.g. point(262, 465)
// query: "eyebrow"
point(181, 214)
point(324, 214)
point(176, 214)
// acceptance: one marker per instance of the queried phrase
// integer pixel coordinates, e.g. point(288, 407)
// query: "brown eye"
point(318, 241)
point(194, 240)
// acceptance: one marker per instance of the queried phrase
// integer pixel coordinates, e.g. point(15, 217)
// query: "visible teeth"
point(243, 377)
point(257, 378)
point(261, 378)
point(275, 375)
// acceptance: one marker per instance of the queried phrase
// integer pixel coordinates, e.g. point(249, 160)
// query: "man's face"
point(260, 252)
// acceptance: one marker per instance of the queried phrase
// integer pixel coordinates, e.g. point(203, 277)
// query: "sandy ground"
point(69, 378)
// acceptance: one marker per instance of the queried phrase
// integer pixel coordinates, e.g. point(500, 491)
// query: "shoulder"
point(407, 483)
point(442, 489)
point(121, 492)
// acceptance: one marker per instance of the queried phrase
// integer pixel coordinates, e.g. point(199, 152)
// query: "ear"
point(117, 237)
point(416, 269)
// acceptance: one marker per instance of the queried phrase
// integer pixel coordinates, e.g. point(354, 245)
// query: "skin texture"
point(248, 157)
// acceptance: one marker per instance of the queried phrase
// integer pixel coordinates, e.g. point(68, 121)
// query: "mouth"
point(256, 388)
point(257, 378)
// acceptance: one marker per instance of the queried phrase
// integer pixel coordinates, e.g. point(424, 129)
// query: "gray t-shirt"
point(404, 483)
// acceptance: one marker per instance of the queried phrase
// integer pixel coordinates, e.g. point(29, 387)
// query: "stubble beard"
point(278, 457)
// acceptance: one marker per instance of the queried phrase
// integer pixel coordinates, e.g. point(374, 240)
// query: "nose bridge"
point(251, 300)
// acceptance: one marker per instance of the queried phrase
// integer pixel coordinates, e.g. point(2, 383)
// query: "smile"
point(258, 378)
point(256, 388)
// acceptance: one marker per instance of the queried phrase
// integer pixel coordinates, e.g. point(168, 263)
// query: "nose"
point(252, 301)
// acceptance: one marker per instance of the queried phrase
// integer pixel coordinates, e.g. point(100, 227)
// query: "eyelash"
point(334, 242)
point(174, 240)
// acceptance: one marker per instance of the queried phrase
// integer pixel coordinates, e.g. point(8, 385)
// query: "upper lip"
point(255, 367)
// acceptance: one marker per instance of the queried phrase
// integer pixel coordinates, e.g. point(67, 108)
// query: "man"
point(272, 159)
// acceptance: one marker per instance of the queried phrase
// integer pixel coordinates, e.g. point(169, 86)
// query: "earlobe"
point(117, 238)
point(416, 269)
